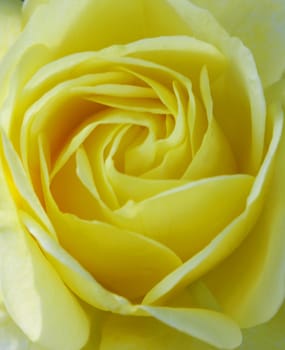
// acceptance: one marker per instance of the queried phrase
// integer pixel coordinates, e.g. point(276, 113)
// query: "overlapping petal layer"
point(22, 263)
point(263, 273)
point(10, 24)
point(256, 23)
point(136, 169)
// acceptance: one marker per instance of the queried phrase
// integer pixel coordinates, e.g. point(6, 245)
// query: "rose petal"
point(111, 254)
point(261, 274)
point(108, 23)
point(123, 261)
point(183, 54)
point(74, 275)
point(181, 211)
point(269, 335)
point(96, 319)
point(196, 295)
point(242, 66)
point(260, 24)
point(10, 23)
point(39, 303)
point(29, 7)
point(11, 337)
point(209, 326)
point(32, 291)
point(276, 92)
point(22, 182)
point(141, 333)
point(230, 238)
point(137, 188)
point(215, 156)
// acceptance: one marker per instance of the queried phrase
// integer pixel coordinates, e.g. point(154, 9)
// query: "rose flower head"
point(142, 174)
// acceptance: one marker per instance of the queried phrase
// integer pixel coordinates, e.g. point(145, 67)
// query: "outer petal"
point(103, 18)
point(204, 27)
point(32, 292)
point(266, 336)
point(37, 300)
point(91, 25)
point(141, 333)
point(40, 43)
point(250, 284)
point(30, 6)
point(10, 23)
point(96, 318)
point(261, 26)
point(11, 337)
point(212, 327)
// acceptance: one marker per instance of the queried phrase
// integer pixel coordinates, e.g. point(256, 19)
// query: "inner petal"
point(177, 217)
point(71, 196)
point(123, 261)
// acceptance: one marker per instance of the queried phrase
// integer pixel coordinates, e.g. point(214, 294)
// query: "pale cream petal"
point(86, 22)
point(57, 112)
point(28, 283)
point(231, 237)
point(177, 217)
point(260, 25)
point(196, 295)
point(254, 275)
point(141, 333)
point(29, 7)
point(22, 182)
point(96, 319)
point(34, 42)
point(175, 52)
point(268, 336)
point(215, 156)
point(209, 326)
point(11, 337)
point(276, 93)
point(201, 54)
point(74, 275)
point(82, 30)
point(129, 266)
point(104, 19)
point(182, 54)
point(130, 187)
point(241, 65)
point(10, 23)
point(111, 263)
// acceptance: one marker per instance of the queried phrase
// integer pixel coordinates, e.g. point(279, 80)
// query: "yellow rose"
point(142, 174)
